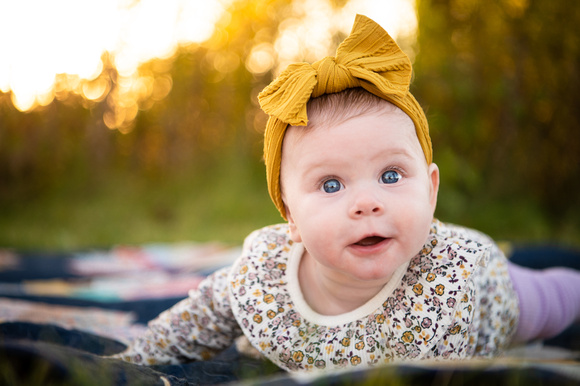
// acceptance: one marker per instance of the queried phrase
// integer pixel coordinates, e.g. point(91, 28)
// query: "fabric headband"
point(368, 58)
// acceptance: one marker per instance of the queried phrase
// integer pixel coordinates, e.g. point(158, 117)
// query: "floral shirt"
point(453, 300)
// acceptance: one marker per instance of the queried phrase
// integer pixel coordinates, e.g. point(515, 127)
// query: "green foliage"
point(189, 169)
point(500, 83)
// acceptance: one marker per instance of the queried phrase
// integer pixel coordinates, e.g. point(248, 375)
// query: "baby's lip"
point(369, 241)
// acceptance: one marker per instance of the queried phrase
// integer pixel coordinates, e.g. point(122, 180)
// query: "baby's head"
point(348, 156)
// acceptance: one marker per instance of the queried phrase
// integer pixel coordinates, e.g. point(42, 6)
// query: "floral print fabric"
point(455, 300)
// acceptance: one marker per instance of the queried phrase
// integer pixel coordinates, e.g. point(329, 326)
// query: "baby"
point(361, 274)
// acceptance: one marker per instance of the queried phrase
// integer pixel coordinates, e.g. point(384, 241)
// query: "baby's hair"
point(330, 109)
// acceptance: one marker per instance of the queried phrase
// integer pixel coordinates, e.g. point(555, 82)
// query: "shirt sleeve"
point(549, 301)
point(197, 328)
point(497, 306)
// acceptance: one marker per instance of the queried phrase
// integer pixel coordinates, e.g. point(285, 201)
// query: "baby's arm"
point(549, 301)
point(196, 328)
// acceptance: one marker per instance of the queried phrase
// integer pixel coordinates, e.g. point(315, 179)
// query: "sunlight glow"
point(308, 35)
point(42, 40)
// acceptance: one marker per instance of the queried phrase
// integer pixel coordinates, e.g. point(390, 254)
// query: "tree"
point(500, 83)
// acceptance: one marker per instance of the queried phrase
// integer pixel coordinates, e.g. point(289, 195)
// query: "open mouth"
point(370, 241)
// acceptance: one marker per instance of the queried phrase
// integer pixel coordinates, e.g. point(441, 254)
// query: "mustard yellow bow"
point(368, 58)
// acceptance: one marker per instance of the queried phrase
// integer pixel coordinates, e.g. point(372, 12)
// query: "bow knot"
point(333, 77)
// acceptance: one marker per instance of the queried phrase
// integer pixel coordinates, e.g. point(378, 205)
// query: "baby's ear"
point(434, 182)
point(294, 233)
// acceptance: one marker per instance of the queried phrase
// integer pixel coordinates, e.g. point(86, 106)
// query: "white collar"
point(294, 258)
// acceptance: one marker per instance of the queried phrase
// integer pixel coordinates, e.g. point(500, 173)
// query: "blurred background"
point(128, 122)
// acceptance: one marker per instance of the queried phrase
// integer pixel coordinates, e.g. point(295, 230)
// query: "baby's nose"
point(366, 204)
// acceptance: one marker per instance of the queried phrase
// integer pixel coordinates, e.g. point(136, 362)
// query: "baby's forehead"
point(326, 118)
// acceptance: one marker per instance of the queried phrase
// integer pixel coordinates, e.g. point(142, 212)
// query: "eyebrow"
point(401, 151)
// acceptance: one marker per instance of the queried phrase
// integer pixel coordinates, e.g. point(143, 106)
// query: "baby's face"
point(359, 195)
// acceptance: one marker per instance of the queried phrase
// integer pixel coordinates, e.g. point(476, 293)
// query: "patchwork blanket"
point(59, 313)
point(110, 292)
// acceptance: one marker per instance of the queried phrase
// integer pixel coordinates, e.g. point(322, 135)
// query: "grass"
point(514, 219)
point(123, 208)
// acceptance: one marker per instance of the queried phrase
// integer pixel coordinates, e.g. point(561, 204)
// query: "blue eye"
point(390, 177)
point(331, 186)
